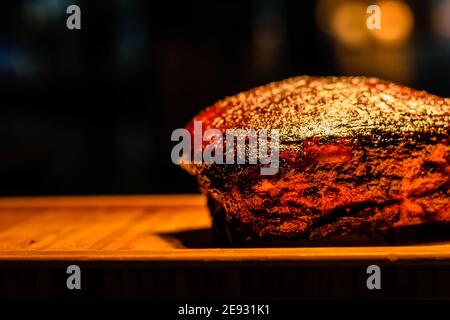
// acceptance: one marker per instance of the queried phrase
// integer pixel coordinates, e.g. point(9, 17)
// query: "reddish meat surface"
point(357, 156)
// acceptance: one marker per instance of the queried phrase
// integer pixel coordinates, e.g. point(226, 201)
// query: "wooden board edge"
point(184, 200)
point(224, 255)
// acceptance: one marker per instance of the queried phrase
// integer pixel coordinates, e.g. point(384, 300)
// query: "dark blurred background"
point(91, 111)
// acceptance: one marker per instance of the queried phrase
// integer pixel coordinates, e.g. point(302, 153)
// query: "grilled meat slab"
point(357, 156)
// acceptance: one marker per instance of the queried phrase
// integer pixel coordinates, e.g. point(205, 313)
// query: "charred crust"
point(357, 156)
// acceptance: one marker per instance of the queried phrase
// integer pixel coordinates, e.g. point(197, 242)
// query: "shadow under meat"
point(204, 238)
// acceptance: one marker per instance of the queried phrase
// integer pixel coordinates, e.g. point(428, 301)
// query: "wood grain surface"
point(151, 228)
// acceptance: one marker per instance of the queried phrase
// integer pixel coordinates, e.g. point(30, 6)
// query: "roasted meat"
point(357, 156)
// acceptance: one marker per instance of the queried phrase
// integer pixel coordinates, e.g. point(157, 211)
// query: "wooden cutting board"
point(151, 228)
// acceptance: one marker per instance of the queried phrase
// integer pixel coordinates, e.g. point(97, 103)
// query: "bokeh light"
point(396, 22)
point(441, 18)
point(348, 23)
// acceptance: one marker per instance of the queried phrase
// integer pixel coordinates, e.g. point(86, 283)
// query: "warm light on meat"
point(357, 155)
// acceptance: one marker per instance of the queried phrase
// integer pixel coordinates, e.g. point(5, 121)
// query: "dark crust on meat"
point(357, 155)
point(309, 107)
point(375, 190)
